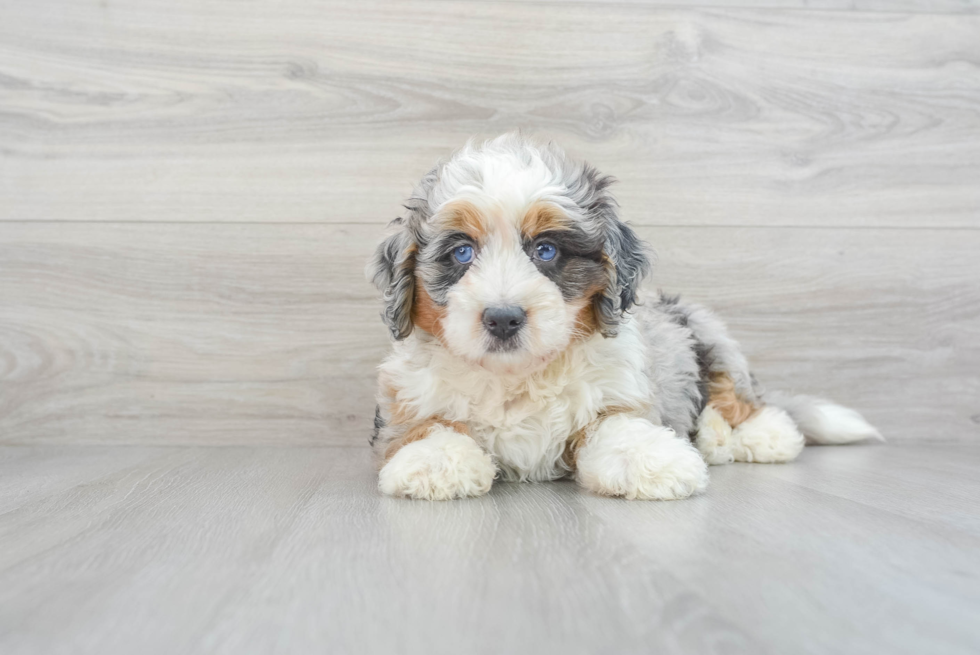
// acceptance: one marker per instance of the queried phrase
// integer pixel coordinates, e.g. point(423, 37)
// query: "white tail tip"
point(823, 422)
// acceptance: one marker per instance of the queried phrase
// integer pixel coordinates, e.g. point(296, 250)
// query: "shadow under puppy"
point(520, 352)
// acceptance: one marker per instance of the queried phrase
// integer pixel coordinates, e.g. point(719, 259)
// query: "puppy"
point(521, 353)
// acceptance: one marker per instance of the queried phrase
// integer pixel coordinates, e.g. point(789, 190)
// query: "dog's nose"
point(504, 322)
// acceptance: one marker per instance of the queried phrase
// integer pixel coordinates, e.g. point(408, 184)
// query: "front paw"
point(633, 458)
point(714, 437)
point(442, 466)
point(768, 437)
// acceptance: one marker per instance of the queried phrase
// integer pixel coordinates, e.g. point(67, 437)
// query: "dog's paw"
point(770, 436)
point(443, 465)
point(633, 458)
point(714, 437)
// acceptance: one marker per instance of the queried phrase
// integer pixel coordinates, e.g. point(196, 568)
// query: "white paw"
point(714, 438)
point(443, 465)
point(634, 458)
point(768, 437)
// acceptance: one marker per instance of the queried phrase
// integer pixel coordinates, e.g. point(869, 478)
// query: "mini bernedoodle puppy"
point(521, 351)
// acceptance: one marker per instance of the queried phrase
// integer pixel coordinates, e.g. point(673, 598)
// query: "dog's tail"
point(824, 422)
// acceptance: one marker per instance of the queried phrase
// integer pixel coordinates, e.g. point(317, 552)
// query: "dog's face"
point(509, 252)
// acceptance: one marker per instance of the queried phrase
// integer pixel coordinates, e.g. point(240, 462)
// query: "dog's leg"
point(768, 436)
point(734, 429)
point(714, 437)
point(436, 460)
point(631, 457)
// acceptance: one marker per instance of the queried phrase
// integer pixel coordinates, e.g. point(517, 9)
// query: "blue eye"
point(545, 251)
point(463, 254)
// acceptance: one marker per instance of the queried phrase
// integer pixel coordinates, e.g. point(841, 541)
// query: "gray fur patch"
point(685, 344)
point(393, 271)
point(379, 423)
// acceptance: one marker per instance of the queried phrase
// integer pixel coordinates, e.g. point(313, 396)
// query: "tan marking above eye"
point(463, 217)
point(543, 217)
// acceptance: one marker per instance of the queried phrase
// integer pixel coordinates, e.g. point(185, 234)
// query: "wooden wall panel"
point(328, 112)
point(888, 6)
point(224, 334)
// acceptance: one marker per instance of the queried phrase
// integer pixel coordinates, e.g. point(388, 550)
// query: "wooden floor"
point(189, 191)
point(132, 549)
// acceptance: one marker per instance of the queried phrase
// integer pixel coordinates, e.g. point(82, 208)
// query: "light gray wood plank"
point(233, 334)
point(329, 112)
point(64, 469)
point(291, 550)
point(785, 553)
point(891, 6)
point(222, 334)
point(862, 477)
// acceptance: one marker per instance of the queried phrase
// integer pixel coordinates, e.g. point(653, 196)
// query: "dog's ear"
point(625, 255)
point(627, 261)
point(392, 269)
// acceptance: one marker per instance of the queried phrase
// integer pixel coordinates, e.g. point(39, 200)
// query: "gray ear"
point(627, 263)
point(626, 256)
point(392, 269)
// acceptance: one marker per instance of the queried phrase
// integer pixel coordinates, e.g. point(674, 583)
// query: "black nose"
point(504, 322)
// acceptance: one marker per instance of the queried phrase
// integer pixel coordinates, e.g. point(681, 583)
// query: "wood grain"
point(795, 547)
point(292, 550)
point(891, 6)
point(189, 191)
point(329, 112)
point(131, 333)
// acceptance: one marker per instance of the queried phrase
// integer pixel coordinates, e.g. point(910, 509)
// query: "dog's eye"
point(545, 251)
point(463, 254)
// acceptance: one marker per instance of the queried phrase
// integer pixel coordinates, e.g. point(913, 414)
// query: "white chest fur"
point(523, 421)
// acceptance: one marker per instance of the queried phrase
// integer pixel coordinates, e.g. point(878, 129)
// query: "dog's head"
point(508, 253)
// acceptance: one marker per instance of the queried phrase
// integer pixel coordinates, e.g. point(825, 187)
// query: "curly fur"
point(622, 394)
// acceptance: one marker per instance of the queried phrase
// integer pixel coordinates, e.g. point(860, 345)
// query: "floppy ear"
point(627, 263)
point(392, 269)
